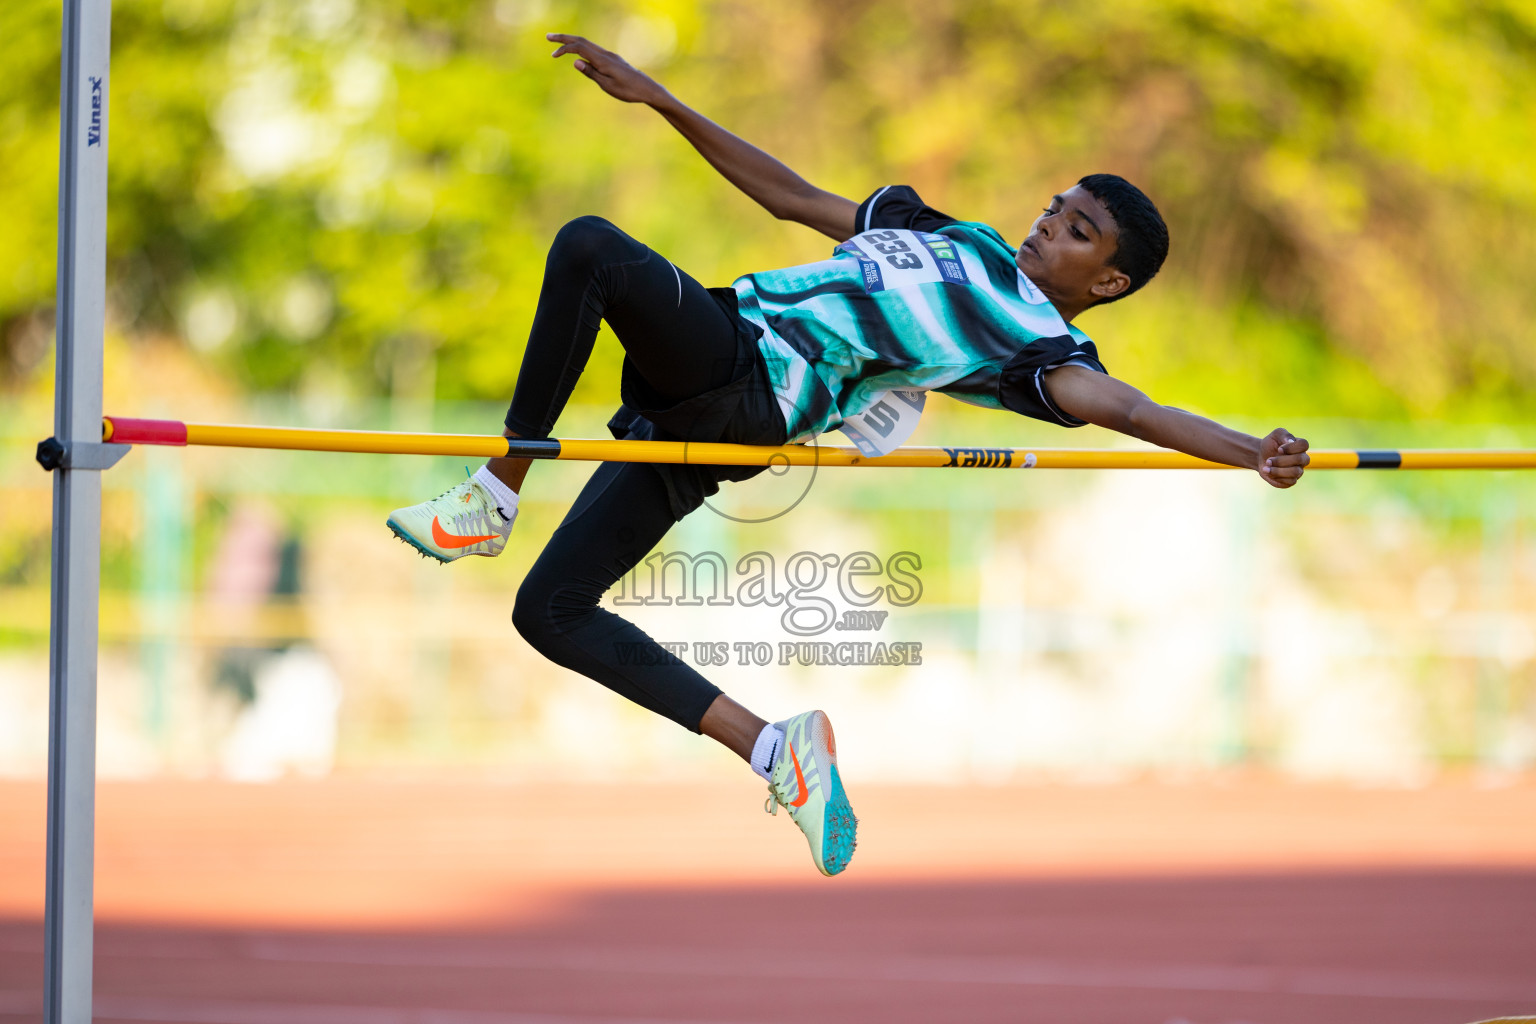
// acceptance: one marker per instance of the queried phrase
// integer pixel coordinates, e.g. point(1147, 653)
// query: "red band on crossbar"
point(131, 431)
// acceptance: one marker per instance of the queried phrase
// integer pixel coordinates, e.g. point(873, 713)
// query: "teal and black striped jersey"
point(916, 301)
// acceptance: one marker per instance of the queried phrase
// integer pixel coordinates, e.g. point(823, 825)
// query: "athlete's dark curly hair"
point(1143, 243)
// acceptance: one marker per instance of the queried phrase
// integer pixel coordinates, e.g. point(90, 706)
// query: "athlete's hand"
point(1282, 458)
point(612, 73)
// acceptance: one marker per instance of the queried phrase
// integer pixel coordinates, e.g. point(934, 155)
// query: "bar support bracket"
point(54, 454)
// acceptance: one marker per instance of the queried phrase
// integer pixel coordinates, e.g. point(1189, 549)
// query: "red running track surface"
point(348, 902)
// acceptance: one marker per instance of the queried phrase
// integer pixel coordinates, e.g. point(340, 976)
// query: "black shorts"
point(743, 411)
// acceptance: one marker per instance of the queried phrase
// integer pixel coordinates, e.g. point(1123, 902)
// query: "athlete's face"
point(1068, 251)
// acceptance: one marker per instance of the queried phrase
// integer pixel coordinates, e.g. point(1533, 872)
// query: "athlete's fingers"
point(1283, 458)
point(1280, 476)
point(579, 51)
point(1285, 472)
point(568, 42)
point(578, 45)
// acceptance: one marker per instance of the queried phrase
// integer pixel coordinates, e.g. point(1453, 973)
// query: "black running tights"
point(677, 337)
point(673, 331)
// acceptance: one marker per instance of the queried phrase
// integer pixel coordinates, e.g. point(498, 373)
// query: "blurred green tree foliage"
point(358, 194)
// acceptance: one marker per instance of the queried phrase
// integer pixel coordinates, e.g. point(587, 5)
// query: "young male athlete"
point(911, 301)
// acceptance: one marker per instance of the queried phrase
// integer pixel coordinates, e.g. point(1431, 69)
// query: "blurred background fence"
point(334, 212)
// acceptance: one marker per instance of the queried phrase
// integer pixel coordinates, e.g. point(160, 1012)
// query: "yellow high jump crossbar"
point(127, 431)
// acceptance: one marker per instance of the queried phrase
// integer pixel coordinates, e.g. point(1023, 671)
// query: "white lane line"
point(895, 967)
point(922, 969)
point(203, 1011)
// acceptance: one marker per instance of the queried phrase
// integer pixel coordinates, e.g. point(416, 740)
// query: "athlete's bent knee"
point(545, 611)
point(588, 242)
point(530, 613)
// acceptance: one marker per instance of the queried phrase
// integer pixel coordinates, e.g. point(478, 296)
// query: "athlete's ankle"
point(732, 726)
point(511, 472)
point(765, 751)
point(504, 496)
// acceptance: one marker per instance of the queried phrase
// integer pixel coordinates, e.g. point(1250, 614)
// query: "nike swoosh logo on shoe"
point(444, 539)
point(805, 793)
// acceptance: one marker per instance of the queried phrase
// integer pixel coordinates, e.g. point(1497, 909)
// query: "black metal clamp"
point(55, 454)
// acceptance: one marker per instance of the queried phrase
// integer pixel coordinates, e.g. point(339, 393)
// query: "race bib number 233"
point(898, 258)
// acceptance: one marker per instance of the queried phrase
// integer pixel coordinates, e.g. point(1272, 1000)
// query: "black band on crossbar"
point(1380, 459)
point(530, 448)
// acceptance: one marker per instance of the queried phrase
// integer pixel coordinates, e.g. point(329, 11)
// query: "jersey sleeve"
point(899, 206)
point(1021, 388)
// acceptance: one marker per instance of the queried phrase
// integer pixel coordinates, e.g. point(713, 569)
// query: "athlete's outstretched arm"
point(1101, 399)
point(774, 186)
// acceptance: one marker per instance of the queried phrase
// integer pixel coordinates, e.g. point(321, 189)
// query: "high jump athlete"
point(911, 301)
